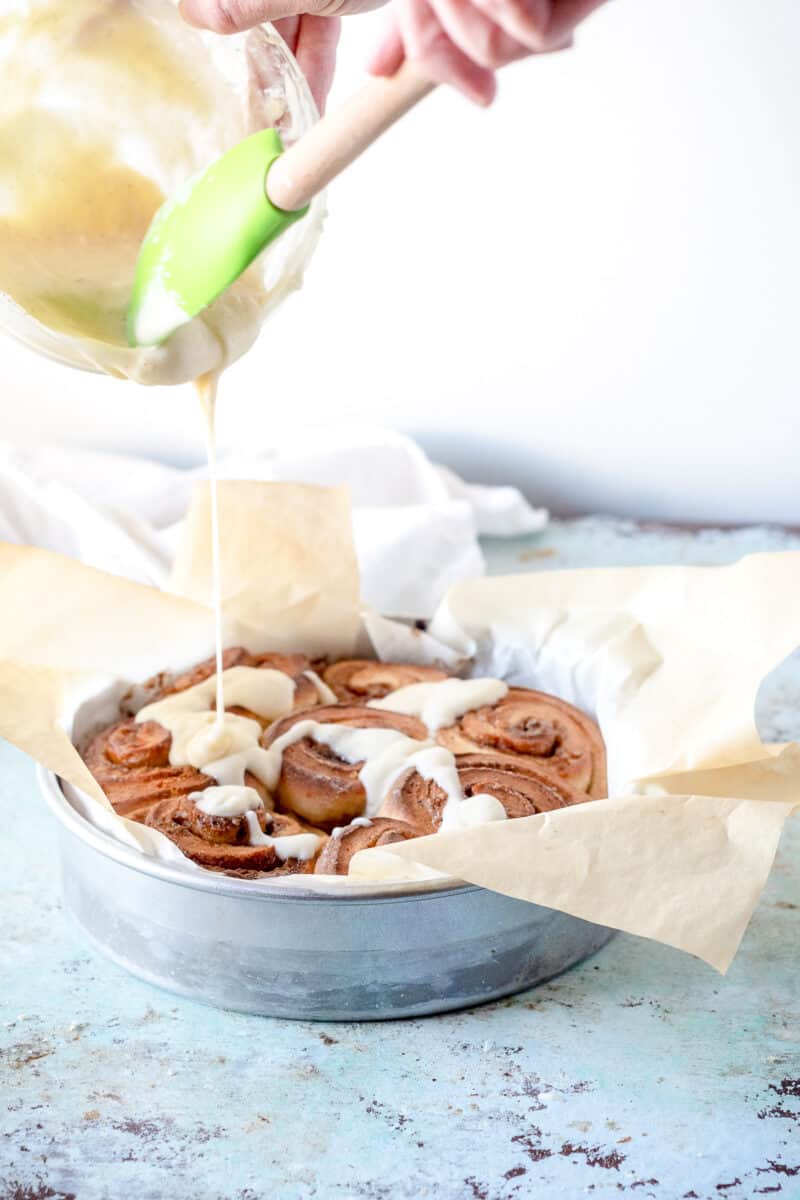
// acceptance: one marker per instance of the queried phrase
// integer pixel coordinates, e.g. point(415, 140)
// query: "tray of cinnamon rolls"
point(317, 761)
point(264, 784)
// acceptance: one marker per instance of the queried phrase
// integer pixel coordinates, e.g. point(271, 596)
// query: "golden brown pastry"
point(535, 728)
point(234, 656)
point(530, 751)
point(131, 763)
point(222, 843)
point(293, 665)
point(357, 680)
point(314, 782)
point(420, 802)
point(344, 843)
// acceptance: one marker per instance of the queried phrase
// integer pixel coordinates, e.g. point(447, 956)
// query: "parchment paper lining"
point(669, 659)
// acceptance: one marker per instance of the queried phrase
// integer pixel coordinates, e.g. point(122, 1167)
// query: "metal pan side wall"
point(312, 957)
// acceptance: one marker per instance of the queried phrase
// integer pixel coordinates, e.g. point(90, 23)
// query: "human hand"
point(313, 41)
point(311, 37)
point(461, 42)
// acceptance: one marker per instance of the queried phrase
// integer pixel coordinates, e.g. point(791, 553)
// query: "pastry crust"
point(537, 729)
point(316, 784)
point(221, 843)
point(420, 802)
point(131, 763)
point(358, 680)
point(293, 665)
point(344, 843)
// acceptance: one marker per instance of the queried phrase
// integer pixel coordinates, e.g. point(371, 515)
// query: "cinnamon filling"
point(336, 857)
point(145, 745)
point(424, 802)
point(539, 729)
point(507, 731)
point(360, 680)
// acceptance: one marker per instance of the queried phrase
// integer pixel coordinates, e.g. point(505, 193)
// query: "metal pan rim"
point(222, 885)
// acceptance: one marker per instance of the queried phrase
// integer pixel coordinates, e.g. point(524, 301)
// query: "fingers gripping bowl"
point(254, 911)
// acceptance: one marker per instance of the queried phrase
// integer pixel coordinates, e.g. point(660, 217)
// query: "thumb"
point(232, 16)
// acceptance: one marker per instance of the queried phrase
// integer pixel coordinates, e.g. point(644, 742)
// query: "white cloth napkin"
point(416, 524)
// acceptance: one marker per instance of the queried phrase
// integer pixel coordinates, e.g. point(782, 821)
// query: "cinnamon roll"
point(222, 843)
point(421, 802)
point(296, 666)
point(532, 727)
point(130, 761)
point(317, 784)
point(357, 680)
point(344, 843)
point(331, 765)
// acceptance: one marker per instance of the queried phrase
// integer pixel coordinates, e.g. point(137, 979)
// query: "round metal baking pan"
point(356, 953)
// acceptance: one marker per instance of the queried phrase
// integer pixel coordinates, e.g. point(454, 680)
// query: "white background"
point(591, 290)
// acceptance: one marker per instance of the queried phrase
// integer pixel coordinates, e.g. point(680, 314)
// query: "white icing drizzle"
point(228, 750)
point(207, 394)
point(384, 753)
point(381, 770)
point(440, 704)
point(199, 736)
point(246, 802)
point(230, 771)
point(479, 809)
point(227, 801)
point(358, 822)
point(326, 694)
point(439, 766)
point(301, 846)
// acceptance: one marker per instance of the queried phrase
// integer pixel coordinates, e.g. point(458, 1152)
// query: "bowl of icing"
point(107, 109)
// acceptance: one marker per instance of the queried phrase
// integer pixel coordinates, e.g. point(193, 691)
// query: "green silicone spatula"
point(205, 236)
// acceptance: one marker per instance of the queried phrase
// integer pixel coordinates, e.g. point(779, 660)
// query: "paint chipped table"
point(639, 1072)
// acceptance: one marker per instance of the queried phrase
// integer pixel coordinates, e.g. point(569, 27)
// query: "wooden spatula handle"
point(341, 136)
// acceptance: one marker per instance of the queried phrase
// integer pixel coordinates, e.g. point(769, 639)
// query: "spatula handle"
point(341, 136)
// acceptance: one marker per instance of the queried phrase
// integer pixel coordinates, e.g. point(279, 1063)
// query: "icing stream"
point(207, 394)
point(199, 736)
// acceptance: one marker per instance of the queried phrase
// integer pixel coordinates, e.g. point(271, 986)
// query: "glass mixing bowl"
point(228, 88)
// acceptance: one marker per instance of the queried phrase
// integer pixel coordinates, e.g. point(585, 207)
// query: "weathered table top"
point(640, 1071)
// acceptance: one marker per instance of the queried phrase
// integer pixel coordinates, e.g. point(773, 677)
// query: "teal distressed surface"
point(640, 1072)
